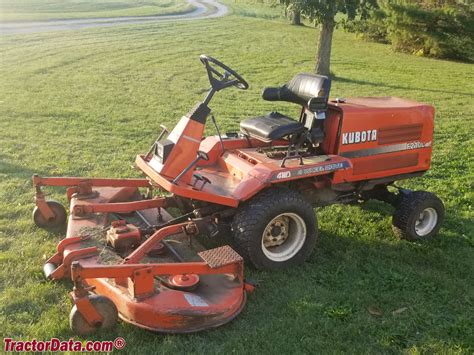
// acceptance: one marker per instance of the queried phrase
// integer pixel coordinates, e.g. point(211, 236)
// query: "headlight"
point(164, 148)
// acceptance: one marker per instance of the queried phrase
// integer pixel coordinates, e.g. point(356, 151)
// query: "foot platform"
point(221, 256)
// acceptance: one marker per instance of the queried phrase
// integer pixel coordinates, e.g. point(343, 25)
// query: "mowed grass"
point(84, 103)
point(35, 10)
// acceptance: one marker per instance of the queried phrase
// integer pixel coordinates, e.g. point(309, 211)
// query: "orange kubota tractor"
point(129, 257)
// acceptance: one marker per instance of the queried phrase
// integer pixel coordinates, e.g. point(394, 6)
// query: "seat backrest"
point(301, 89)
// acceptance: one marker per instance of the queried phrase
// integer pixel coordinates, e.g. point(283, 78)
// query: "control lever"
point(200, 155)
point(204, 180)
point(218, 132)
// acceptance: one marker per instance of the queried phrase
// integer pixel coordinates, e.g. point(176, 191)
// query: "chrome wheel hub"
point(283, 237)
point(426, 221)
point(276, 232)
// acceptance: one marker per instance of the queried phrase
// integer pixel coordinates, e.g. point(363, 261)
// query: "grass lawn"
point(84, 103)
point(35, 10)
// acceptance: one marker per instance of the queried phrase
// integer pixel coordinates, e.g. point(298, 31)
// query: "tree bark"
point(296, 17)
point(323, 56)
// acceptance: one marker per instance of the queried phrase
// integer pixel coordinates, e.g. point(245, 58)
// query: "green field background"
point(84, 103)
point(36, 10)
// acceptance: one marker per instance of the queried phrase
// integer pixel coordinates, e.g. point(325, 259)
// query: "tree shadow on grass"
point(16, 171)
point(397, 87)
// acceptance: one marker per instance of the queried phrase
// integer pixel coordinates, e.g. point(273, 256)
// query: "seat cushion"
point(270, 127)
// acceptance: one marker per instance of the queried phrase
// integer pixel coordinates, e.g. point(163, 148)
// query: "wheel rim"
point(426, 221)
point(283, 237)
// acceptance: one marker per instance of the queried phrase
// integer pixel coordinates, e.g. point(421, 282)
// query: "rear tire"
point(419, 216)
point(275, 229)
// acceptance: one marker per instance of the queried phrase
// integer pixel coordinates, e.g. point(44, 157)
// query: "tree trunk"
point(296, 17)
point(323, 56)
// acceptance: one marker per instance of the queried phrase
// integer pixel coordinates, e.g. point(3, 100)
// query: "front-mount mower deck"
point(129, 258)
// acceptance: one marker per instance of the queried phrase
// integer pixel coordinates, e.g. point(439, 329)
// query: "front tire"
point(419, 216)
point(276, 229)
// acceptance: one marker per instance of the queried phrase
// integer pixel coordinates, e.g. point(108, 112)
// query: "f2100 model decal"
point(386, 149)
point(288, 174)
point(369, 135)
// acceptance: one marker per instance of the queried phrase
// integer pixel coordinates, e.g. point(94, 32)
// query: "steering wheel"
point(221, 80)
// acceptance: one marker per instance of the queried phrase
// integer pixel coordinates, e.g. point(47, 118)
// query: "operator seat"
point(308, 90)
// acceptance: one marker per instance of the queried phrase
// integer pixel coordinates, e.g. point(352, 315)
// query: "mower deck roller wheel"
point(48, 269)
point(60, 215)
point(106, 309)
point(419, 216)
point(276, 229)
point(187, 282)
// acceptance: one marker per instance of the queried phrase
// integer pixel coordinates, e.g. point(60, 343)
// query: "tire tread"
point(402, 218)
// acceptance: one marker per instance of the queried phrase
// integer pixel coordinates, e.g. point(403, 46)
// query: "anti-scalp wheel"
point(106, 309)
point(60, 215)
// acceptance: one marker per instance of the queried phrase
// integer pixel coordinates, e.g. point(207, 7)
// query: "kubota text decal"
point(359, 136)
